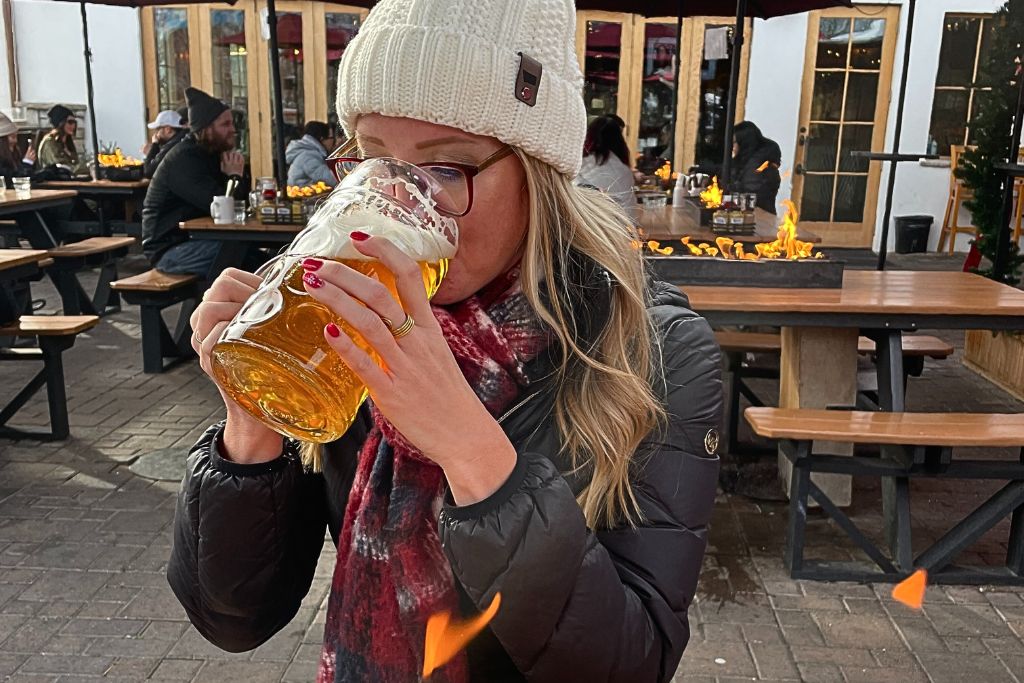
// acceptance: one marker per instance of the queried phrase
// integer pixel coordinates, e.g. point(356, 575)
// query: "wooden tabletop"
point(932, 293)
point(10, 202)
point(670, 223)
point(12, 258)
point(250, 225)
point(95, 185)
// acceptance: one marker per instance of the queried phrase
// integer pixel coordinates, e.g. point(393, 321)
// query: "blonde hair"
point(604, 404)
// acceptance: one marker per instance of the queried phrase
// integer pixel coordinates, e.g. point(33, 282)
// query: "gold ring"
point(403, 329)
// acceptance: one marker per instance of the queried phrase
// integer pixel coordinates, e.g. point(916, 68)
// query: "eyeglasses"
point(456, 180)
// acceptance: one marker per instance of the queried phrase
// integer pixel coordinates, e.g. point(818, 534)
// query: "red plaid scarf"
point(391, 574)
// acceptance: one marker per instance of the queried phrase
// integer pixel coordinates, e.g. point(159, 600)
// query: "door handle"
point(799, 170)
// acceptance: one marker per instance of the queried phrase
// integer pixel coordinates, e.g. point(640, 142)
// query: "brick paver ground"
point(84, 544)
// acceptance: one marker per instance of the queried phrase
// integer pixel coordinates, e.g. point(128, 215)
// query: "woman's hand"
point(246, 440)
point(420, 389)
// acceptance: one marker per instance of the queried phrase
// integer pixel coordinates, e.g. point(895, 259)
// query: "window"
point(341, 28)
point(965, 44)
point(172, 59)
point(230, 81)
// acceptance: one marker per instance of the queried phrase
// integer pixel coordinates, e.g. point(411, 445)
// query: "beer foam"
point(329, 236)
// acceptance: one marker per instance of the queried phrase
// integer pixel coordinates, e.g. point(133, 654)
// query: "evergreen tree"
point(1001, 70)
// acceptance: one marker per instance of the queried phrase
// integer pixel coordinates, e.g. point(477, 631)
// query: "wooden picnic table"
point(820, 328)
point(17, 268)
point(130, 192)
point(236, 237)
point(671, 223)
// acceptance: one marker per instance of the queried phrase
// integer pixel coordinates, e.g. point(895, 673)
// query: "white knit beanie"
point(456, 63)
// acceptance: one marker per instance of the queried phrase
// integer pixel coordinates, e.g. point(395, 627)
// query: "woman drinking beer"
point(543, 429)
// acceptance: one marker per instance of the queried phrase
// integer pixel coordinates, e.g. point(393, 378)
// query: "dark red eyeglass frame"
point(340, 156)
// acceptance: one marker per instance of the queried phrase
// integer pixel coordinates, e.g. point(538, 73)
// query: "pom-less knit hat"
point(457, 63)
point(202, 109)
point(58, 114)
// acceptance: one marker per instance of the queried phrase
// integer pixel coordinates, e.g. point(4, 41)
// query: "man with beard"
point(195, 171)
point(168, 130)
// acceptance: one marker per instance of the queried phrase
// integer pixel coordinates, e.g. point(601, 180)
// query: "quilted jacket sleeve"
point(610, 605)
point(246, 543)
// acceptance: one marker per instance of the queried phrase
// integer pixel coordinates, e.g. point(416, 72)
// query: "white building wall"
point(51, 65)
point(773, 97)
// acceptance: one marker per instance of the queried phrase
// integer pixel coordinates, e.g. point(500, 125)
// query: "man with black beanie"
point(58, 146)
point(195, 171)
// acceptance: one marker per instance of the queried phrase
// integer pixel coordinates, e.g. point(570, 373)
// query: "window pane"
point(856, 138)
point(657, 94)
point(850, 193)
point(289, 48)
point(949, 119)
point(230, 81)
point(988, 30)
point(172, 60)
point(601, 68)
point(714, 89)
point(816, 204)
point(867, 44)
point(861, 96)
point(827, 100)
point(822, 143)
point(833, 43)
point(341, 29)
point(959, 48)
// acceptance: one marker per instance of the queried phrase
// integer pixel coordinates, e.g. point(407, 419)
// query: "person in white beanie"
point(13, 163)
point(544, 430)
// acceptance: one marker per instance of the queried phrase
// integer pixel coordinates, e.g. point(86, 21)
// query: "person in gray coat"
point(305, 156)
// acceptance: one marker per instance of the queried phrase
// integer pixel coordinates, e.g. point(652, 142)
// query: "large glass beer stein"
point(272, 359)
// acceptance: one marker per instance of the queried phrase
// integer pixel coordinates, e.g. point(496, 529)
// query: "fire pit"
point(117, 166)
point(785, 262)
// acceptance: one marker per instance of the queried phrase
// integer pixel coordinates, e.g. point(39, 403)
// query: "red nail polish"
point(313, 280)
point(359, 236)
point(312, 263)
point(333, 330)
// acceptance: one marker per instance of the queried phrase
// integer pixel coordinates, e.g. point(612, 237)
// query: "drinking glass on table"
point(3, 188)
point(240, 211)
point(22, 188)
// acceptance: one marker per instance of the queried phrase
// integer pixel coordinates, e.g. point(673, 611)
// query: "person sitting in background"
point(13, 164)
point(58, 146)
point(195, 171)
point(755, 165)
point(606, 162)
point(168, 130)
point(305, 156)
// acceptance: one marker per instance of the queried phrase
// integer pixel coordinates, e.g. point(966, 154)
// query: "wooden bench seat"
point(154, 291)
point(735, 345)
point(93, 252)
point(911, 445)
point(914, 345)
point(54, 334)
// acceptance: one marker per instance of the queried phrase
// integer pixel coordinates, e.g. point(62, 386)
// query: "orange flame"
point(117, 160)
point(910, 591)
point(446, 638)
point(665, 172)
point(785, 246)
point(763, 167)
point(658, 249)
point(712, 197)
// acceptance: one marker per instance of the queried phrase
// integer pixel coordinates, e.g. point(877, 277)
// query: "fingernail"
point(333, 330)
point(313, 280)
point(359, 236)
point(312, 263)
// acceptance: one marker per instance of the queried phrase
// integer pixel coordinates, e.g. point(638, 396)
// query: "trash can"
point(912, 233)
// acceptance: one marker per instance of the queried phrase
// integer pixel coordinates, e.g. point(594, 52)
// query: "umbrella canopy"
point(763, 9)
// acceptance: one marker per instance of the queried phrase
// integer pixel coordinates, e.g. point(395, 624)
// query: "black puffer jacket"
point(577, 605)
point(756, 152)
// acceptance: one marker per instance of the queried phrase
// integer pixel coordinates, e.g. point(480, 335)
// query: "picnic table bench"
point(92, 252)
point(153, 291)
point(54, 335)
point(912, 445)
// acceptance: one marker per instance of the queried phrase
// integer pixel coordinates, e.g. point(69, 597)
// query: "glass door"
point(844, 106)
point(654, 139)
point(603, 43)
point(229, 57)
